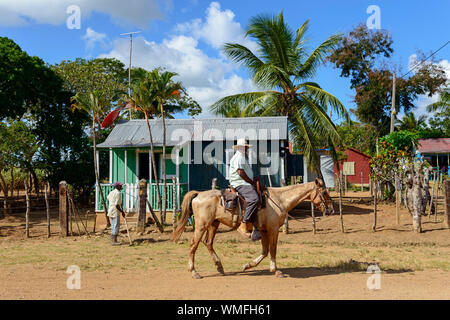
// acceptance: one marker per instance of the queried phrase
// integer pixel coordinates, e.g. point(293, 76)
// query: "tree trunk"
point(163, 216)
point(155, 171)
point(97, 179)
point(35, 181)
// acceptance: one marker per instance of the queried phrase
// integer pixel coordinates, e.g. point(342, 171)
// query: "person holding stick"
point(114, 211)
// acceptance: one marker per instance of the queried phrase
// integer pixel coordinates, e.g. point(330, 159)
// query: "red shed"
point(356, 162)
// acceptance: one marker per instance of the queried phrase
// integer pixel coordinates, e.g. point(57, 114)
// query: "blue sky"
point(185, 36)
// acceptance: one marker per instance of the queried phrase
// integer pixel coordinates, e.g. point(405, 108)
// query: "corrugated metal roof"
point(437, 145)
point(134, 133)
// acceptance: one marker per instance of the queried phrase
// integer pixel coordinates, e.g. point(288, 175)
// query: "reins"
point(318, 193)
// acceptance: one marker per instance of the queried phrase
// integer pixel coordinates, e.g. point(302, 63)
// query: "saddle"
point(231, 200)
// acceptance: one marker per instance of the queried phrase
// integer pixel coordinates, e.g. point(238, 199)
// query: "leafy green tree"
point(363, 56)
point(282, 66)
point(83, 76)
point(400, 140)
point(360, 136)
point(25, 81)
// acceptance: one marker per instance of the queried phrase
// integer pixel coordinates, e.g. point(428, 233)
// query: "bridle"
point(320, 193)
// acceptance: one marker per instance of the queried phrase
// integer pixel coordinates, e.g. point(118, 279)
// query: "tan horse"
point(209, 213)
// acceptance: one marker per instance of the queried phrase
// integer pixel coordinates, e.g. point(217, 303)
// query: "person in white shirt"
point(241, 178)
point(114, 211)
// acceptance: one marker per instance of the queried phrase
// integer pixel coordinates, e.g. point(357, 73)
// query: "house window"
point(348, 168)
point(228, 155)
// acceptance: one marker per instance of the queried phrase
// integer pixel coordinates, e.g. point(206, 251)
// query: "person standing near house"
point(114, 211)
point(241, 178)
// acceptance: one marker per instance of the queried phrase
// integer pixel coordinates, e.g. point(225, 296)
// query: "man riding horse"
point(241, 179)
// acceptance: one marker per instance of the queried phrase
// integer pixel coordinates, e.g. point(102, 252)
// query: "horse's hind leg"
point(209, 241)
point(198, 234)
point(265, 251)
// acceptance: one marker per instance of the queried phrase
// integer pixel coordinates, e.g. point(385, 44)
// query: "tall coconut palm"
point(410, 122)
point(95, 104)
point(155, 93)
point(282, 67)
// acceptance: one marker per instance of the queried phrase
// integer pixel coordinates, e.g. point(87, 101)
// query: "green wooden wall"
point(118, 164)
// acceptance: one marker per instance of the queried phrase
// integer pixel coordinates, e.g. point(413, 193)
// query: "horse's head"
point(321, 199)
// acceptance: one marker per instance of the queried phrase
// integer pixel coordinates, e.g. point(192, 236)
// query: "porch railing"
point(130, 196)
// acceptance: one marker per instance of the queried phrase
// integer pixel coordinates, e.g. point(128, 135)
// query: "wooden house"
point(197, 150)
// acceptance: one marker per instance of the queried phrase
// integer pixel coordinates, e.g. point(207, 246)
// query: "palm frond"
point(316, 58)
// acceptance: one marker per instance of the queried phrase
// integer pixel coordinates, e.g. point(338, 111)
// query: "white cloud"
point(21, 12)
point(93, 37)
point(218, 28)
point(205, 78)
point(425, 100)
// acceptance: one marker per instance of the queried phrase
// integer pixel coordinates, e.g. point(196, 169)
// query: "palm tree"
point(410, 122)
point(155, 94)
point(443, 104)
point(282, 67)
point(96, 104)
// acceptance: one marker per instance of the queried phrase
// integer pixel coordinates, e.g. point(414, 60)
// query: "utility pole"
point(393, 104)
point(129, 66)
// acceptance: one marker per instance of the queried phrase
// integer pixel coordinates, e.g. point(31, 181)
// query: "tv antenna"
point(129, 67)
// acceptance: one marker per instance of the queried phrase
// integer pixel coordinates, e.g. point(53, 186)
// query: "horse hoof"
point(280, 274)
point(196, 276)
point(245, 267)
point(221, 271)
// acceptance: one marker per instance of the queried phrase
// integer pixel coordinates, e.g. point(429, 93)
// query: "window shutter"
point(349, 168)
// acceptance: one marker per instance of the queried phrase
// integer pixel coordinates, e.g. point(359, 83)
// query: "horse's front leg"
point(264, 252)
point(273, 242)
point(198, 234)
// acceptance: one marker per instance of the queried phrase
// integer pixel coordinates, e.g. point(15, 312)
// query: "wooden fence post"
point(433, 187)
point(27, 213)
point(362, 188)
point(437, 201)
point(447, 204)
point(375, 195)
point(286, 221)
point(345, 181)
point(174, 203)
point(142, 206)
point(340, 206)
point(397, 199)
point(47, 208)
point(63, 210)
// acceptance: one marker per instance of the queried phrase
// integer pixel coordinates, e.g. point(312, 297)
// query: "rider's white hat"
point(241, 142)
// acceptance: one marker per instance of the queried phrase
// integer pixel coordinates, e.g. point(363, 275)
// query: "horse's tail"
point(186, 212)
